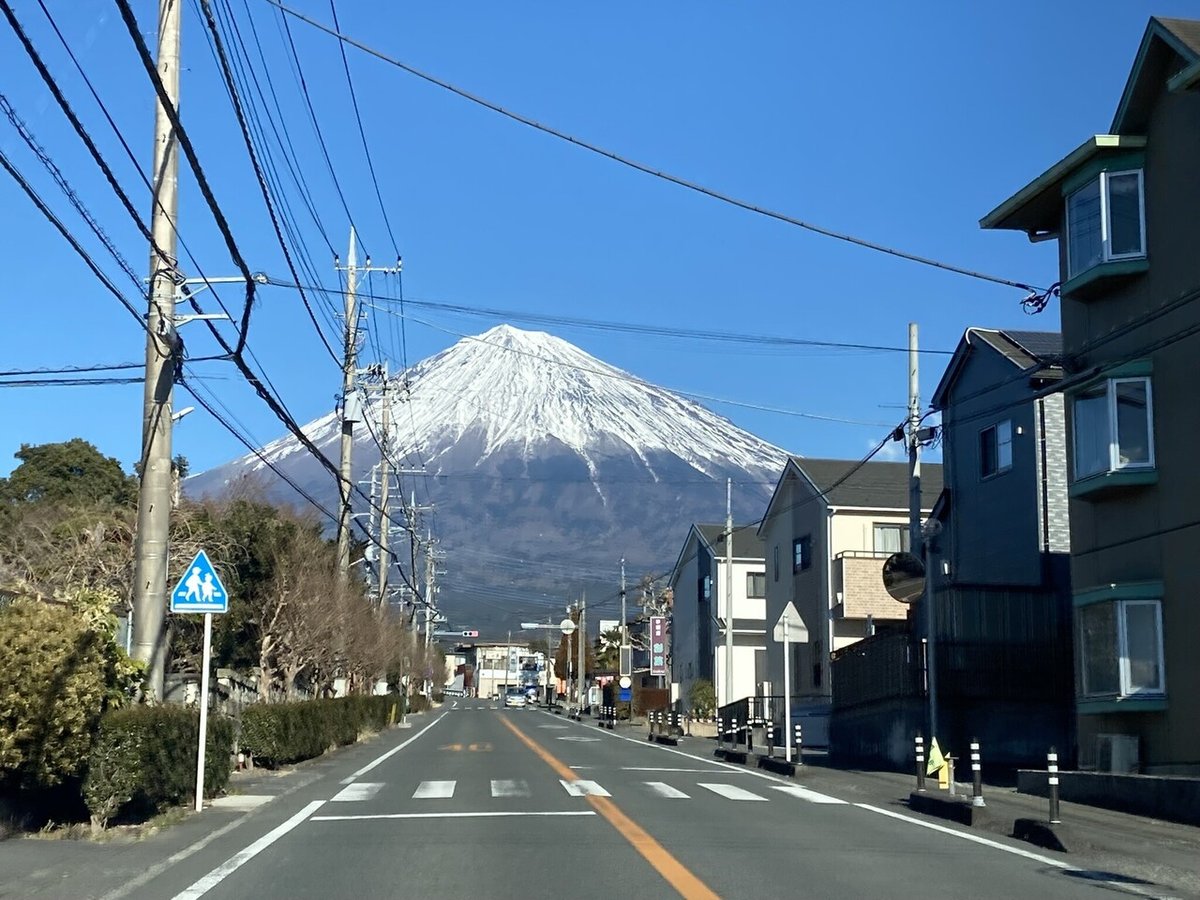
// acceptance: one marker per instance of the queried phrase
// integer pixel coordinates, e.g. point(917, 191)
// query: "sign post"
point(199, 590)
point(788, 630)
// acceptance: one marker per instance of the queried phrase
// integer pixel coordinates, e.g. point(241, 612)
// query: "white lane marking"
point(995, 845)
point(158, 868)
point(363, 790)
point(492, 814)
point(731, 792)
point(383, 757)
point(556, 727)
point(453, 705)
point(580, 788)
point(669, 769)
point(505, 788)
point(434, 790)
point(235, 862)
point(578, 739)
point(805, 794)
point(241, 801)
point(662, 789)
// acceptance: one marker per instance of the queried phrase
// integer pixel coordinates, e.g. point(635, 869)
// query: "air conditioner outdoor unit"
point(1117, 753)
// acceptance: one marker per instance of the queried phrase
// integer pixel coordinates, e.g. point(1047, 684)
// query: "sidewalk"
point(108, 868)
point(1149, 851)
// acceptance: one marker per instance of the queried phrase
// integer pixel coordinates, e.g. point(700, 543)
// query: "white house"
point(701, 609)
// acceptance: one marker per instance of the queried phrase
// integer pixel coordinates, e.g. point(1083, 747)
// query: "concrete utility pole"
point(349, 410)
point(162, 348)
point(385, 481)
point(350, 405)
point(914, 443)
point(583, 645)
point(624, 652)
point(729, 591)
point(915, 536)
point(568, 673)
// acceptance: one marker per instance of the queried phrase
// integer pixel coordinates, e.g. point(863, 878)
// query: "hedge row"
point(277, 733)
point(143, 759)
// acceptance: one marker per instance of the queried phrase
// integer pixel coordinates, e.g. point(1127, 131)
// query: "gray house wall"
point(996, 522)
point(685, 622)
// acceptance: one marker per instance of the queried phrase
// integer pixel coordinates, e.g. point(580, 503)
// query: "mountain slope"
point(545, 465)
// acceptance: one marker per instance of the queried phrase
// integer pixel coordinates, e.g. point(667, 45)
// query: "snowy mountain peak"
point(509, 391)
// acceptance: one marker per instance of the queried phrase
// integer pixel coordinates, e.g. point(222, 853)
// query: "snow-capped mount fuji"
point(541, 459)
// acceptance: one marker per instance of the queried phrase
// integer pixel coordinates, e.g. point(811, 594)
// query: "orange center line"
point(671, 869)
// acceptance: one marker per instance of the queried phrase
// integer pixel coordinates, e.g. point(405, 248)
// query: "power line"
point(363, 134)
point(68, 382)
point(624, 376)
point(189, 151)
point(609, 325)
point(649, 170)
point(69, 370)
point(258, 172)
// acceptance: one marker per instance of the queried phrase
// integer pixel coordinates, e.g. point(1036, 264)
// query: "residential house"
point(828, 528)
point(698, 582)
point(1123, 208)
point(999, 565)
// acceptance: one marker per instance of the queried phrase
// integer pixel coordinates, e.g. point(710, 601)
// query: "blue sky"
point(902, 123)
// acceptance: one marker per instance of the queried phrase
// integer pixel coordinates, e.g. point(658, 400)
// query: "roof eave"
point(1035, 208)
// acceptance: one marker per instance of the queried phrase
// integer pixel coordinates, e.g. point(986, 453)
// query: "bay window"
point(1120, 649)
point(1113, 426)
point(1106, 221)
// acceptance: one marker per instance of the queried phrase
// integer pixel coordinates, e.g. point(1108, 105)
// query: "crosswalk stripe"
point(805, 794)
point(503, 788)
point(360, 790)
point(731, 792)
point(434, 790)
point(662, 789)
point(580, 788)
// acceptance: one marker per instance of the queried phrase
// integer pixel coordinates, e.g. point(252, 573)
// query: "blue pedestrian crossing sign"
point(200, 589)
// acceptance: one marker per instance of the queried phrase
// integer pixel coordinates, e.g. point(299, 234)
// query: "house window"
point(801, 553)
point(706, 587)
point(756, 585)
point(1120, 647)
point(995, 449)
point(891, 538)
point(776, 562)
point(1106, 221)
point(1113, 426)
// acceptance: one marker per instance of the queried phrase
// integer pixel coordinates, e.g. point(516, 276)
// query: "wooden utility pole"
point(162, 355)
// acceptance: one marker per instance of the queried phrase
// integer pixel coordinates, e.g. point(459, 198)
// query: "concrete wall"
point(1172, 799)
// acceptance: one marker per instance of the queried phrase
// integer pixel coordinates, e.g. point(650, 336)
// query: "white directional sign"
point(567, 626)
point(200, 589)
point(790, 628)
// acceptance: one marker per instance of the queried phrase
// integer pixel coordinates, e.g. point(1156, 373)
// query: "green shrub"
point(280, 733)
point(144, 760)
point(55, 677)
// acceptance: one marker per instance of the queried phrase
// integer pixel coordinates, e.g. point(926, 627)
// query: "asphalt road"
point(482, 802)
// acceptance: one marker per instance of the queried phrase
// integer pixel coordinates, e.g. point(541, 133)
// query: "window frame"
point(750, 576)
point(1106, 254)
point(999, 467)
point(804, 544)
point(898, 526)
point(1114, 438)
point(1125, 688)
